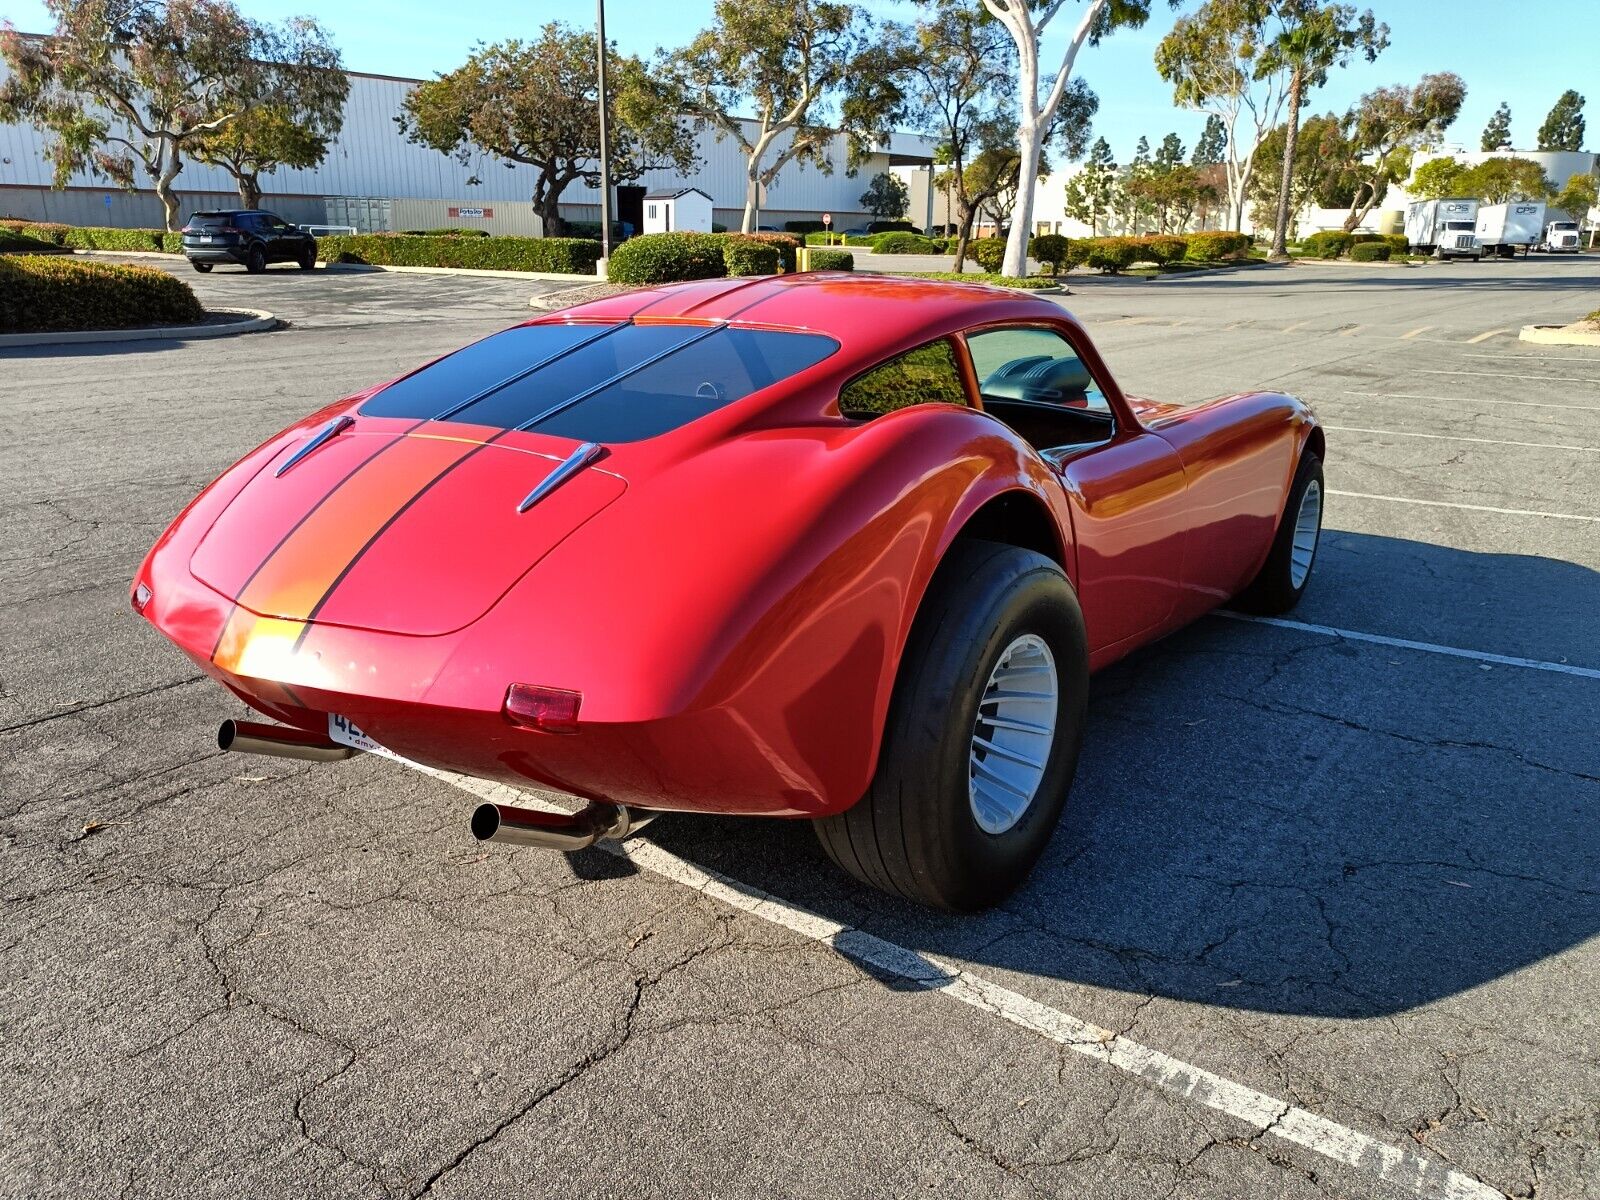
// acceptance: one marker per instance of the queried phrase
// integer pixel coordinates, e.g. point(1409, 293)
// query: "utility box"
point(684, 210)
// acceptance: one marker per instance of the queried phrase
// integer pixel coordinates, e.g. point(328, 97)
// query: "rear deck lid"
point(413, 533)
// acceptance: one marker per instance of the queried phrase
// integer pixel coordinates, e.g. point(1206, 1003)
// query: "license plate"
point(347, 733)
point(206, 237)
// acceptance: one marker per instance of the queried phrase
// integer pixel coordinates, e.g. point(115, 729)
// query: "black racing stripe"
point(306, 516)
point(327, 594)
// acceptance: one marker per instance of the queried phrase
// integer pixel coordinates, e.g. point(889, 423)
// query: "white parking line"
point(1473, 400)
point(1267, 1115)
point(1507, 375)
point(1454, 437)
point(1509, 512)
point(1351, 635)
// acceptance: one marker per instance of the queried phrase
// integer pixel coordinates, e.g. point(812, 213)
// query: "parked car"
point(250, 238)
point(557, 557)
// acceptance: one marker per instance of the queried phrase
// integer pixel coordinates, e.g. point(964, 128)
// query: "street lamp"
point(605, 141)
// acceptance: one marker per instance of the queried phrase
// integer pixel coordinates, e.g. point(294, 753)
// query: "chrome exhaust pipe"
point(554, 830)
point(280, 741)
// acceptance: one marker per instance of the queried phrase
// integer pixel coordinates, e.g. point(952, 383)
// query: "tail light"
point(547, 709)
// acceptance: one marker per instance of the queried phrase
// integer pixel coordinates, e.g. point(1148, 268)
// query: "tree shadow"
point(1274, 820)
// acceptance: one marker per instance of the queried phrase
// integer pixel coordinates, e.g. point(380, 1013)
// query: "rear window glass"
point(211, 220)
point(599, 383)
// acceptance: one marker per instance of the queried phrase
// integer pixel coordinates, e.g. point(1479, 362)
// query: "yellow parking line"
point(1414, 332)
point(1296, 325)
point(1484, 337)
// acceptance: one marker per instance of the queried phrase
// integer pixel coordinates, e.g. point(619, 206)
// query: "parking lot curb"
point(1557, 335)
point(362, 268)
point(253, 320)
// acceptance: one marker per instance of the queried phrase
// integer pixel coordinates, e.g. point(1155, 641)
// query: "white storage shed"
point(686, 209)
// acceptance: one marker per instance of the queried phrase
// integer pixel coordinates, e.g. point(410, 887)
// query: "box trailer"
point(1504, 229)
point(1443, 227)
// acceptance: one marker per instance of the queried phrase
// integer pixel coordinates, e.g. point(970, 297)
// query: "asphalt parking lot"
point(1321, 918)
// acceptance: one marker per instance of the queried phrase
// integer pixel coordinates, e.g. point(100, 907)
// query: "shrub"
point(1357, 239)
point(718, 227)
point(832, 260)
point(1330, 243)
point(1030, 283)
point(572, 256)
point(1113, 254)
point(1049, 249)
point(988, 253)
point(44, 231)
point(1216, 245)
point(1162, 248)
point(804, 227)
point(785, 243)
point(50, 293)
point(742, 254)
point(453, 231)
point(18, 242)
point(900, 242)
point(1371, 252)
point(1397, 242)
point(891, 227)
point(667, 257)
point(94, 237)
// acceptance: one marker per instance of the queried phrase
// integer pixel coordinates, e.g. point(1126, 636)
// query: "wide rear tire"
point(1283, 578)
point(996, 622)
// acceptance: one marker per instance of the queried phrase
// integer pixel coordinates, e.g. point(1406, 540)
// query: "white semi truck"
point(1443, 227)
point(1560, 237)
point(1504, 229)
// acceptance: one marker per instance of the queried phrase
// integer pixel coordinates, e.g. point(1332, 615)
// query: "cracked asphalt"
point(1357, 877)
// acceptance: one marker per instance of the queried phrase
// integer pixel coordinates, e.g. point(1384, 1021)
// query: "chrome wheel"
point(1014, 733)
point(1307, 526)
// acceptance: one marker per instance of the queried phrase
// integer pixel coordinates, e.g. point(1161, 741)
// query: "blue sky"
point(1506, 52)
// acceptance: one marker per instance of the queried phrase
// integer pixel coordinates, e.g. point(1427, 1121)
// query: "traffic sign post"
point(827, 226)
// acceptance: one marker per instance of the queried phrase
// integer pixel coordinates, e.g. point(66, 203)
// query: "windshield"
point(599, 383)
point(1564, 226)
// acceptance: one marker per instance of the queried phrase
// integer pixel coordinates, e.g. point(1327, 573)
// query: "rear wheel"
point(982, 737)
point(308, 259)
point(257, 262)
point(203, 268)
point(1283, 577)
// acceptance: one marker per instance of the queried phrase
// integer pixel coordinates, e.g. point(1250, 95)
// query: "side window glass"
point(927, 375)
point(1035, 366)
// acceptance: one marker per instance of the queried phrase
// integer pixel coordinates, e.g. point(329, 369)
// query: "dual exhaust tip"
point(490, 822)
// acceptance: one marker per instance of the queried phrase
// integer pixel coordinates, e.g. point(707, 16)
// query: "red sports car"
point(815, 546)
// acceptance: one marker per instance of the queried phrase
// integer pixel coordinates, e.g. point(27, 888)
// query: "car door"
point(280, 237)
point(1125, 485)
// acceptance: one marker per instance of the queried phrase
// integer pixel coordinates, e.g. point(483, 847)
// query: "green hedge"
point(1371, 252)
point(1163, 249)
point(1030, 283)
point(1216, 245)
point(988, 253)
point(1330, 243)
point(40, 293)
point(452, 231)
point(570, 256)
point(13, 242)
point(667, 257)
point(823, 259)
point(1113, 254)
point(98, 237)
point(891, 227)
point(744, 255)
point(902, 242)
point(1049, 249)
point(1398, 242)
point(785, 243)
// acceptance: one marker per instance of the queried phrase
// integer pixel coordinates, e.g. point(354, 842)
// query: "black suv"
point(250, 238)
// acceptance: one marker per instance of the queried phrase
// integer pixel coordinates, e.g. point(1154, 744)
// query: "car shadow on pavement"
point(1276, 820)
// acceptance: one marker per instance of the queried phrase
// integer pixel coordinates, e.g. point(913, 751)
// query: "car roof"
point(858, 311)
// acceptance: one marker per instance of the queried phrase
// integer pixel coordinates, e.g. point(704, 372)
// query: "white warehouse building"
point(374, 179)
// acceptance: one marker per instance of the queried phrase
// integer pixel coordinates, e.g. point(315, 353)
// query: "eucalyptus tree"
point(1218, 61)
point(537, 103)
point(1388, 125)
point(811, 70)
point(136, 86)
point(1310, 38)
point(1040, 94)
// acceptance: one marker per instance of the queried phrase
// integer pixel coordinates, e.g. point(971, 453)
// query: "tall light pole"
point(605, 139)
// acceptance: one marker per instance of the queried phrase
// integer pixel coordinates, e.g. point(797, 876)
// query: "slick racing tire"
point(982, 737)
point(1283, 578)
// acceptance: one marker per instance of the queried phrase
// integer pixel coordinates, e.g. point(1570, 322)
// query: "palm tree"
point(1312, 38)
